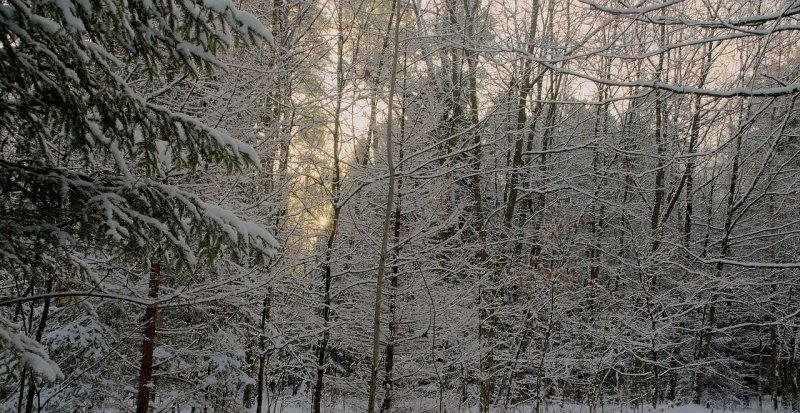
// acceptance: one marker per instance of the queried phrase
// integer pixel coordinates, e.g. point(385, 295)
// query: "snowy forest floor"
point(731, 405)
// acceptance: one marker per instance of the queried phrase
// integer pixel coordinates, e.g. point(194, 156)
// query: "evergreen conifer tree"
point(84, 155)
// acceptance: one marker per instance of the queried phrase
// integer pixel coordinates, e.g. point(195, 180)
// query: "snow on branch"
point(642, 14)
point(753, 264)
point(787, 89)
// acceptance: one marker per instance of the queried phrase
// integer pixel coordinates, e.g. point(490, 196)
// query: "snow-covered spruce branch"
point(132, 213)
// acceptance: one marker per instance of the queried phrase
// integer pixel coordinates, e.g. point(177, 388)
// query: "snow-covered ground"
point(730, 405)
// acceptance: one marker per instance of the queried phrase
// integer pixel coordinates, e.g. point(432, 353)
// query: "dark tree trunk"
point(262, 352)
point(322, 344)
point(32, 390)
point(388, 390)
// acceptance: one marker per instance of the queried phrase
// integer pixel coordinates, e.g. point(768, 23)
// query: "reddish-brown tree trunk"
point(146, 369)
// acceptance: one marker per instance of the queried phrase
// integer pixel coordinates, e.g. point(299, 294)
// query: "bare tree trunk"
point(514, 181)
point(522, 119)
point(388, 385)
point(282, 149)
point(724, 248)
point(387, 218)
point(486, 326)
point(376, 86)
point(262, 356)
point(395, 284)
point(322, 345)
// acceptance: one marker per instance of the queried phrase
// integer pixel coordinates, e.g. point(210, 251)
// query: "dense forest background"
point(216, 206)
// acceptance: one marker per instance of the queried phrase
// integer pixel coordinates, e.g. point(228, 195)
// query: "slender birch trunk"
point(387, 218)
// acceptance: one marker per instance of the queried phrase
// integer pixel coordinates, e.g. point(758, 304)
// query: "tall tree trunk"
point(522, 119)
point(694, 135)
point(706, 332)
point(526, 85)
point(486, 328)
point(655, 224)
point(388, 385)
point(148, 344)
point(322, 345)
point(375, 81)
point(387, 218)
point(278, 96)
